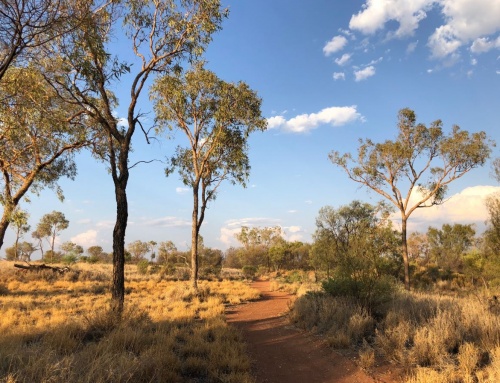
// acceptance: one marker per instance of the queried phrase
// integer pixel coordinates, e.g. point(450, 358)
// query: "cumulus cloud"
point(293, 233)
point(364, 73)
point(376, 13)
point(336, 44)
point(484, 44)
point(339, 76)
point(341, 61)
point(275, 122)
point(181, 190)
point(335, 116)
point(464, 22)
point(464, 207)
point(85, 239)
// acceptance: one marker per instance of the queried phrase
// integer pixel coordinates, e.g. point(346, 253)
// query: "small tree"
point(422, 161)
point(71, 252)
point(167, 253)
point(96, 254)
point(257, 242)
point(50, 226)
point(26, 250)
point(361, 243)
point(138, 249)
point(448, 245)
point(19, 221)
point(216, 117)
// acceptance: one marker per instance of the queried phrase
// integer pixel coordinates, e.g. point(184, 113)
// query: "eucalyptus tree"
point(39, 134)
point(415, 169)
point(257, 241)
point(50, 226)
point(19, 222)
point(158, 35)
point(26, 25)
point(216, 117)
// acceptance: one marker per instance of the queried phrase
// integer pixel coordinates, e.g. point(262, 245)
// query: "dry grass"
point(58, 329)
point(433, 338)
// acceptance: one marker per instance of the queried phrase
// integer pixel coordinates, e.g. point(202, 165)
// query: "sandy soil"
point(281, 353)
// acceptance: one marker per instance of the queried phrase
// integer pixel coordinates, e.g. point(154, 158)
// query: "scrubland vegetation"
point(59, 329)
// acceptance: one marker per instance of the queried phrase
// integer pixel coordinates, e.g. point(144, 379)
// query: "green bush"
point(142, 266)
point(69, 259)
point(249, 272)
point(370, 292)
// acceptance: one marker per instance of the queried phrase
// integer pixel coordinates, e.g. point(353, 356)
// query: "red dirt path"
point(280, 353)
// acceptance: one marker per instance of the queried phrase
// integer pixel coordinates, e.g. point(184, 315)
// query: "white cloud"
point(275, 122)
point(473, 62)
point(308, 202)
point(344, 59)
point(443, 42)
point(294, 229)
point(483, 44)
point(363, 74)
point(463, 22)
point(376, 13)
point(339, 76)
point(292, 211)
point(336, 44)
point(464, 207)
point(411, 47)
point(168, 222)
point(181, 190)
point(106, 224)
point(85, 239)
point(335, 115)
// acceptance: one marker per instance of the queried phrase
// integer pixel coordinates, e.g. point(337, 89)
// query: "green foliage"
point(421, 162)
point(249, 271)
point(49, 226)
point(448, 245)
point(142, 266)
point(138, 249)
point(211, 262)
point(11, 254)
point(69, 259)
point(369, 291)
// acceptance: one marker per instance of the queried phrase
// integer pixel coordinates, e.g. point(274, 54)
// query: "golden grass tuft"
point(433, 338)
point(60, 329)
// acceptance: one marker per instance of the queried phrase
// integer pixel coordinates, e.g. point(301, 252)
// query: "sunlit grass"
point(432, 338)
point(59, 329)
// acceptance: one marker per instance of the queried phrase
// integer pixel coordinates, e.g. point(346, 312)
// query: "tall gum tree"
point(39, 134)
point(216, 117)
point(26, 25)
point(161, 34)
point(415, 169)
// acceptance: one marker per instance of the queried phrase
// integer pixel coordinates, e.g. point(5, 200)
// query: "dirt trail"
point(281, 353)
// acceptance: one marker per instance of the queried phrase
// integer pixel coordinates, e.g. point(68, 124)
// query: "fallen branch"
point(43, 266)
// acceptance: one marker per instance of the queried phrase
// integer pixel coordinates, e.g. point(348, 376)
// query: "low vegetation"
point(58, 328)
point(432, 338)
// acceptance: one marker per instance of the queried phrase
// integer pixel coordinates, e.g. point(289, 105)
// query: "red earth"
point(281, 353)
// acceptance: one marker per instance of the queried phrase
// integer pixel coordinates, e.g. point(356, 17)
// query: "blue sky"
point(328, 72)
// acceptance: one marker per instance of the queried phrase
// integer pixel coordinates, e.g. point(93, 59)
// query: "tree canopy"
point(414, 170)
point(216, 117)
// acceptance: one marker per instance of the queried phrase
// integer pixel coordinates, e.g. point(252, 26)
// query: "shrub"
point(142, 266)
point(249, 272)
point(368, 291)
